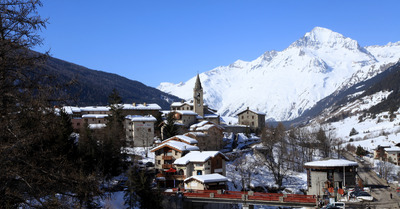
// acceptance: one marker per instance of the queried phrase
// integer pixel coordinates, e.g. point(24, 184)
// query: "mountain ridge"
point(92, 87)
point(284, 84)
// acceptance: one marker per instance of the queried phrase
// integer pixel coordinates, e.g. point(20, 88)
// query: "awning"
point(171, 170)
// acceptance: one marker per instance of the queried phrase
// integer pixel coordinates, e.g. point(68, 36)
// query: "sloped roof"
point(186, 112)
point(183, 138)
point(180, 146)
point(254, 111)
point(208, 178)
point(141, 118)
point(330, 163)
point(198, 157)
point(94, 116)
point(201, 134)
point(392, 149)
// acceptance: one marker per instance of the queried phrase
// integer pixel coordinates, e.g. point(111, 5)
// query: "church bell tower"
point(198, 104)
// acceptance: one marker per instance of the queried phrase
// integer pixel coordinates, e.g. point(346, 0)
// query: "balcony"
point(167, 166)
point(171, 176)
point(166, 157)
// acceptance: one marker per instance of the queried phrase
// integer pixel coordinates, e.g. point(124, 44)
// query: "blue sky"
point(154, 41)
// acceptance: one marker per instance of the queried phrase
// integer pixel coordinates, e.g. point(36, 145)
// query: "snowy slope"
point(284, 84)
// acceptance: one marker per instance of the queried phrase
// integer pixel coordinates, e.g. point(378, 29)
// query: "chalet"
point(139, 129)
point(393, 155)
point(251, 118)
point(201, 163)
point(208, 134)
point(329, 177)
point(213, 181)
point(165, 155)
point(379, 151)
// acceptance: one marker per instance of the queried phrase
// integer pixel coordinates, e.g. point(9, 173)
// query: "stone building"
point(209, 135)
point(251, 118)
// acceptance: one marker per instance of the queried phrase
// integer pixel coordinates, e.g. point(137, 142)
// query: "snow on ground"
point(141, 151)
point(261, 177)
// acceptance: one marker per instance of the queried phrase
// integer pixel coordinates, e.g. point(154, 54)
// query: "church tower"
point(198, 98)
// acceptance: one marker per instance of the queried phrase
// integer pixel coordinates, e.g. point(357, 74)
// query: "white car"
point(363, 196)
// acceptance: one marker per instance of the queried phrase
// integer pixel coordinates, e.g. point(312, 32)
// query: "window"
point(252, 117)
point(159, 162)
point(252, 123)
point(199, 172)
point(242, 116)
point(78, 124)
point(149, 130)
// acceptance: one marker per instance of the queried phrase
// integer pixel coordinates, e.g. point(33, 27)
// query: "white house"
point(140, 129)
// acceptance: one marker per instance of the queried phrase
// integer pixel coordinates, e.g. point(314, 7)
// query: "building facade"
point(329, 177)
point(139, 130)
point(251, 118)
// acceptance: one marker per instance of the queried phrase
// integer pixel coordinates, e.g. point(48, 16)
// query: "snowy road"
point(379, 188)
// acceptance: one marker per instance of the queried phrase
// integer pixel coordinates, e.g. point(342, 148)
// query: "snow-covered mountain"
point(284, 84)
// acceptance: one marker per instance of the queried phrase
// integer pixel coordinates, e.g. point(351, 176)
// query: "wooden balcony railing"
point(166, 166)
point(170, 176)
point(166, 157)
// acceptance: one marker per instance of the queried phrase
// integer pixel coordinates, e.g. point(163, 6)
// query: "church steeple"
point(198, 102)
point(197, 86)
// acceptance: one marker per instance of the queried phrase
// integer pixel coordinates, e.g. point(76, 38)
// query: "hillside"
point(286, 84)
point(92, 87)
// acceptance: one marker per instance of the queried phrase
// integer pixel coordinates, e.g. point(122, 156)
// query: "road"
point(380, 190)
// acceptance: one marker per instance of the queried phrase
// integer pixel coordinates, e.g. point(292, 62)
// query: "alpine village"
point(66, 143)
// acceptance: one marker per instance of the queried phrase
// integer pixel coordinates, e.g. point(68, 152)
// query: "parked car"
point(362, 196)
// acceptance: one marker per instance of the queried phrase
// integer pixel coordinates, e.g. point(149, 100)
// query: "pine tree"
point(112, 159)
point(139, 192)
point(170, 128)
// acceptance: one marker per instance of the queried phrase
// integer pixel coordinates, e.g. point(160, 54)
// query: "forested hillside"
point(92, 87)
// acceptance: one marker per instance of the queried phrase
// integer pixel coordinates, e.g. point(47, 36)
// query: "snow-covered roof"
point(141, 118)
point(392, 149)
point(331, 163)
point(195, 133)
point(97, 126)
point(197, 156)
point(186, 112)
point(257, 112)
point(210, 116)
point(141, 107)
point(94, 108)
point(94, 116)
point(205, 127)
point(208, 178)
point(70, 109)
point(181, 146)
point(178, 104)
point(184, 138)
point(194, 126)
